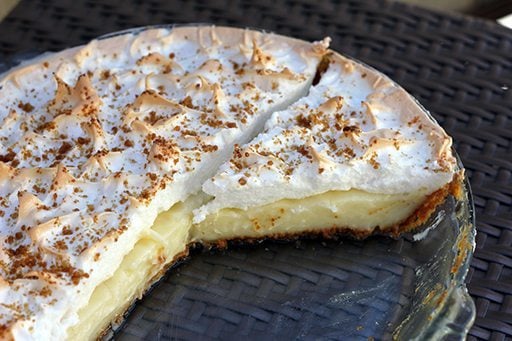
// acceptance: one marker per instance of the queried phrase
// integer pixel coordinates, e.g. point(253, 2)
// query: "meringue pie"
point(117, 155)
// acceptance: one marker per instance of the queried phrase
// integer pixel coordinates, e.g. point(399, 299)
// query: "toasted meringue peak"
point(331, 106)
point(369, 112)
point(165, 63)
point(321, 47)
point(28, 204)
point(259, 58)
point(81, 99)
point(211, 66)
point(6, 171)
point(152, 98)
point(97, 140)
point(62, 178)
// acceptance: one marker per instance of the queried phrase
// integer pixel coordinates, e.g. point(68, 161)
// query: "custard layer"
point(358, 211)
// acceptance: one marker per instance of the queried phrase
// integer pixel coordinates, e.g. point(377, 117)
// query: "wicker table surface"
point(458, 67)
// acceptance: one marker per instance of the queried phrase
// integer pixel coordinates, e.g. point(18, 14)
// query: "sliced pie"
point(104, 150)
point(356, 155)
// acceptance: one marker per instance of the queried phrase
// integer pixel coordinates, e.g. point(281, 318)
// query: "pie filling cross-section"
point(117, 155)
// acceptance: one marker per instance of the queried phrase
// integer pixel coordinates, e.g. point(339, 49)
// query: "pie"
point(117, 155)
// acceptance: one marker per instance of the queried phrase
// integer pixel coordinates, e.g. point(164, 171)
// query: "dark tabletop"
point(458, 67)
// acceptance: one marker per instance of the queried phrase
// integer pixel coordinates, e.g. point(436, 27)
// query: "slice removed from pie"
point(96, 141)
point(357, 155)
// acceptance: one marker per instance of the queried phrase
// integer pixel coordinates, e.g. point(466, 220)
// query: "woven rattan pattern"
point(458, 67)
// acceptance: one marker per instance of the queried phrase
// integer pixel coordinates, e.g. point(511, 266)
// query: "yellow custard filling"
point(167, 239)
point(356, 210)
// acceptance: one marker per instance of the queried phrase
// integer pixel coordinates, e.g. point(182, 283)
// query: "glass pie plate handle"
point(410, 288)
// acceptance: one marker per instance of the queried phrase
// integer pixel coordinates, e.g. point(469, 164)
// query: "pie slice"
point(97, 141)
point(357, 155)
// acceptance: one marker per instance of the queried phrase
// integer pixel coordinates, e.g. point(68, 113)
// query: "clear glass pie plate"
point(410, 288)
point(382, 288)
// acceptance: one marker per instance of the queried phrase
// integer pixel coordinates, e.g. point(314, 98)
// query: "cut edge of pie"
point(322, 215)
point(164, 245)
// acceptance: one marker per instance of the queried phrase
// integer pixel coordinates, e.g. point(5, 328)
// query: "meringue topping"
point(355, 130)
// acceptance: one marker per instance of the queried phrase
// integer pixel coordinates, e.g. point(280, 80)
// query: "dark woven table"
point(459, 68)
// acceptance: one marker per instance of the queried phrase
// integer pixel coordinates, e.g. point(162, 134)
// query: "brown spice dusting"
point(152, 118)
point(60, 245)
point(63, 150)
point(242, 181)
point(45, 291)
point(105, 75)
point(348, 152)
point(352, 129)
point(26, 107)
point(304, 152)
point(77, 275)
point(8, 157)
point(187, 101)
point(414, 120)
point(46, 126)
point(83, 140)
point(303, 121)
point(208, 148)
point(145, 195)
point(375, 164)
